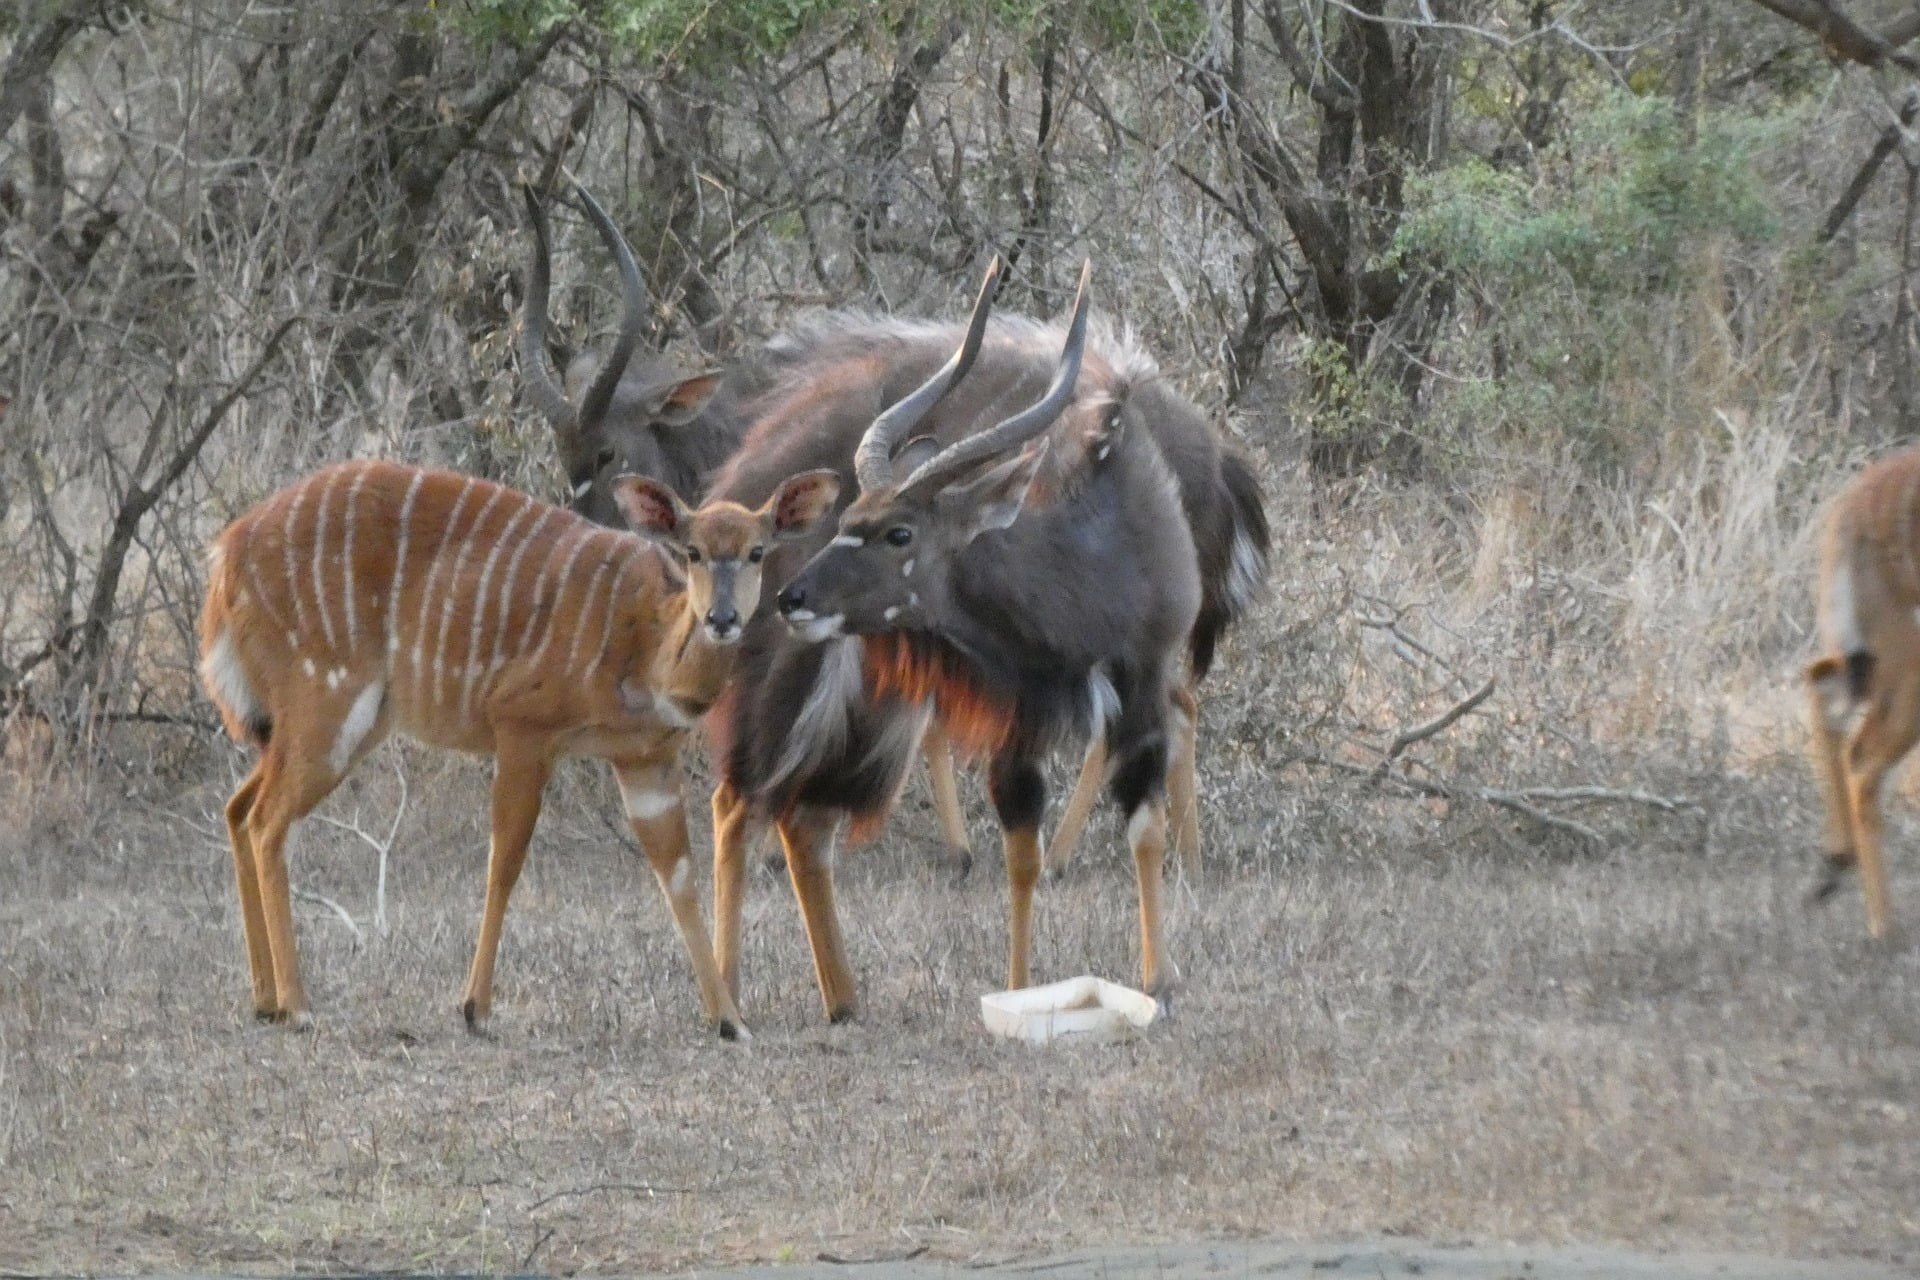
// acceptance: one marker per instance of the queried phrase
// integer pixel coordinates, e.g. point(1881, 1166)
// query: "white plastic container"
point(1086, 1008)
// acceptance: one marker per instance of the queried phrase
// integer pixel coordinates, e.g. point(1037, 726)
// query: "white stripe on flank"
point(346, 556)
point(433, 572)
point(580, 615)
point(286, 546)
point(480, 606)
point(319, 563)
point(226, 681)
point(452, 595)
point(278, 619)
point(508, 590)
point(613, 602)
point(359, 722)
point(400, 562)
point(581, 538)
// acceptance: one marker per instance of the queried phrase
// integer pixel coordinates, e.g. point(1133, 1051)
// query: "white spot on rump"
point(644, 803)
point(226, 681)
point(358, 724)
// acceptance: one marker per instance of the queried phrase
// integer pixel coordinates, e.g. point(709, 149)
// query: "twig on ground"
point(1439, 724)
point(305, 895)
point(611, 1188)
point(381, 847)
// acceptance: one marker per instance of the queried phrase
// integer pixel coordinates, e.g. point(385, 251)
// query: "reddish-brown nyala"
point(1865, 690)
point(372, 597)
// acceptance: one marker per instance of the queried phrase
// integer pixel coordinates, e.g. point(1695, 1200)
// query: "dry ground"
point(1449, 1036)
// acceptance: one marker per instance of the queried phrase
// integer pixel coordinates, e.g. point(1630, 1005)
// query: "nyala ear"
point(654, 510)
point(908, 457)
point(994, 501)
point(800, 501)
point(682, 402)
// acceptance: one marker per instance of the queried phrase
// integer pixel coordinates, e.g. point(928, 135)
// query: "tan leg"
point(1073, 822)
point(1022, 848)
point(1828, 705)
point(287, 790)
point(1147, 833)
point(658, 816)
point(808, 840)
point(1887, 732)
point(518, 779)
point(946, 796)
point(1183, 799)
point(253, 919)
point(733, 839)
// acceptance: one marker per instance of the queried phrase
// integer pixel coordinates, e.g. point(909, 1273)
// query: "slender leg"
point(287, 790)
point(733, 839)
point(519, 776)
point(1139, 784)
point(253, 918)
point(1019, 793)
point(1183, 799)
point(1886, 733)
point(807, 837)
point(946, 799)
point(1147, 833)
point(1073, 822)
point(1828, 703)
point(658, 816)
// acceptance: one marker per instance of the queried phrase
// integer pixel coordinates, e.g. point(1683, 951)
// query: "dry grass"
point(1401, 1015)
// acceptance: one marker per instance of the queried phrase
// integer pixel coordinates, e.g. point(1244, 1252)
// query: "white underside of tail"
point(1245, 571)
point(227, 682)
point(1840, 611)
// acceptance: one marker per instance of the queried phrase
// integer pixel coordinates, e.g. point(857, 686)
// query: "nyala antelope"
point(1865, 691)
point(371, 597)
point(625, 411)
point(1024, 576)
point(629, 412)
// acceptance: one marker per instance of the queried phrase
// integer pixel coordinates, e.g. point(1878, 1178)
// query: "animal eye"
point(899, 535)
point(693, 555)
point(756, 555)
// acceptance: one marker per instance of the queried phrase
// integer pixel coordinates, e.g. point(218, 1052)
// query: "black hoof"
point(268, 1015)
point(957, 863)
point(728, 1031)
point(475, 1020)
point(841, 1015)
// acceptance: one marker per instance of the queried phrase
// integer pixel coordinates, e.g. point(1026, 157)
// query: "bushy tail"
point(1233, 562)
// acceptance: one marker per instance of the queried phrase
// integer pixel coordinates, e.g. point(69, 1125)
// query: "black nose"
point(794, 597)
point(723, 619)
